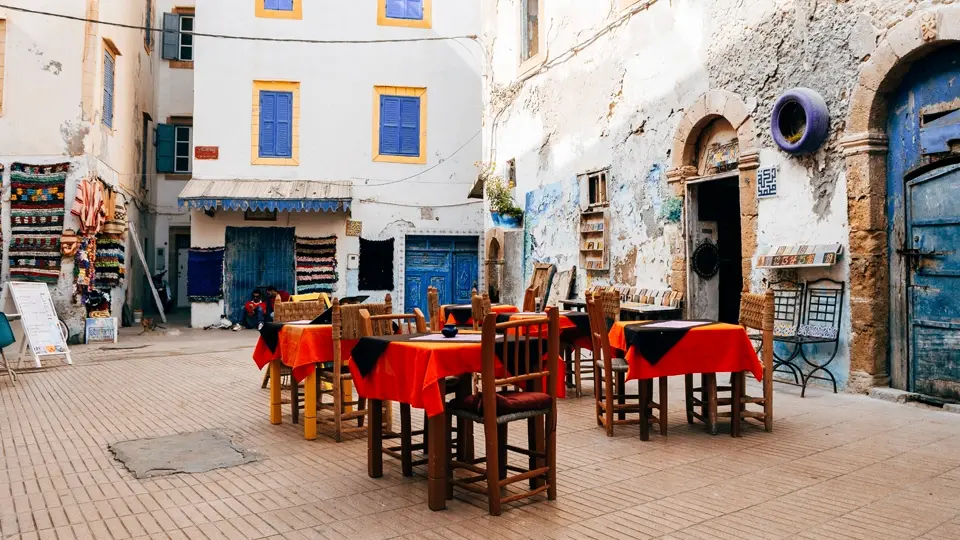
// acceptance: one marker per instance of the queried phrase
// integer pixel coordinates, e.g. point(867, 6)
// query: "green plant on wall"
point(672, 209)
point(501, 200)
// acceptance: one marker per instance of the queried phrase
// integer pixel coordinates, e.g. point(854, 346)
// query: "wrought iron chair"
point(788, 300)
point(823, 311)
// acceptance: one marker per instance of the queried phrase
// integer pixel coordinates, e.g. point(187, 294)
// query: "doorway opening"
point(714, 245)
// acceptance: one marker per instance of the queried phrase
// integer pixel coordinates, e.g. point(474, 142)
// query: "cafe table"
point(462, 315)
point(300, 347)
point(655, 349)
point(632, 310)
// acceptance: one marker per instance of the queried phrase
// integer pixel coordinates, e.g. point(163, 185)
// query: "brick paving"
point(836, 466)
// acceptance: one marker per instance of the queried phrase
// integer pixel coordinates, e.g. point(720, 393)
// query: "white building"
point(371, 140)
point(79, 93)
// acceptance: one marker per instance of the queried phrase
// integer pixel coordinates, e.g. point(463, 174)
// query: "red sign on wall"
point(206, 152)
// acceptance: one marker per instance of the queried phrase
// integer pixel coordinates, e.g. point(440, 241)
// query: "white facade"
point(336, 114)
point(51, 75)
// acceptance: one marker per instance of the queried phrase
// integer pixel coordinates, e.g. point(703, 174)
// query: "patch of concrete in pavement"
point(196, 452)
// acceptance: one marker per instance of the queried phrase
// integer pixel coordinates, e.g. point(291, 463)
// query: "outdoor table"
point(656, 349)
point(412, 369)
point(464, 313)
point(300, 347)
point(574, 334)
point(632, 310)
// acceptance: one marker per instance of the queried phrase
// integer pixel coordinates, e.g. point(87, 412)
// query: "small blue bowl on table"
point(449, 331)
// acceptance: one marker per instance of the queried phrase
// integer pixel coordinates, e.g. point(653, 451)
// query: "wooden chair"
point(606, 389)
point(406, 323)
point(495, 410)
point(287, 312)
point(433, 309)
point(756, 312)
point(529, 300)
point(481, 308)
point(611, 306)
point(583, 367)
point(334, 379)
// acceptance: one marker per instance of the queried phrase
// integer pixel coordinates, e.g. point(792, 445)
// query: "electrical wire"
point(455, 152)
point(406, 205)
point(471, 37)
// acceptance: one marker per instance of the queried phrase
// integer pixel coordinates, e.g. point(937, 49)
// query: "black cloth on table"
point(653, 342)
point(270, 334)
point(460, 314)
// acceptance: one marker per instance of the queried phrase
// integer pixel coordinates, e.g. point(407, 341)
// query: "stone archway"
point(864, 148)
point(704, 111)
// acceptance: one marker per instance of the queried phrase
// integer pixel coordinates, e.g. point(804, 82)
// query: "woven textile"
point(376, 265)
point(316, 264)
point(36, 219)
point(205, 274)
point(110, 264)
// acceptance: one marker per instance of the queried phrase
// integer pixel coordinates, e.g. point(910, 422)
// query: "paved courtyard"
point(836, 466)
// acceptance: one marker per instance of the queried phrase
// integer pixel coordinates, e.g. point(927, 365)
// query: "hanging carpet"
point(316, 264)
point(110, 264)
point(205, 274)
point(376, 265)
point(36, 219)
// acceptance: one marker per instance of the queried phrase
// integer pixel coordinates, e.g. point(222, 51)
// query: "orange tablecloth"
point(301, 347)
point(715, 348)
point(409, 371)
point(500, 308)
point(566, 327)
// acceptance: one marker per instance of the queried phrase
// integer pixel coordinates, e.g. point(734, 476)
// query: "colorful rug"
point(376, 265)
point(110, 264)
point(316, 264)
point(205, 274)
point(36, 220)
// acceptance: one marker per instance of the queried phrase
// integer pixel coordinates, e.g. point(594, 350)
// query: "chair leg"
point(493, 467)
point(710, 387)
point(362, 403)
point(608, 401)
point(406, 441)
point(266, 379)
point(448, 433)
point(551, 451)
point(294, 400)
point(597, 394)
point(536, 442)
point(502, 437)
point(688, 396)
point(577, 377)
point(621, 394)
point(663, 406)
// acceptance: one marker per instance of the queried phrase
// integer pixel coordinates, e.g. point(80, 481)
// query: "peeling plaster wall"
point(617, 101)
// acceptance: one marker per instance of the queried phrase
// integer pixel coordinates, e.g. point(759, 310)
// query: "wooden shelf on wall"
point(594, 250)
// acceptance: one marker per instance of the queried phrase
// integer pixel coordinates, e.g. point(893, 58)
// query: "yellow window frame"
point(426, 22)
point(275, 86)
point(406, 91)
point(264, 13)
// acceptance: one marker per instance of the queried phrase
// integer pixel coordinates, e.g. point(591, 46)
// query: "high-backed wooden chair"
point(611, 305)
point(433, 309)
point(334, 376)
point(481, 308)
point(757, 313)
point(610, 382)
point(529, 300)
point(533, 360)
point(405, 323)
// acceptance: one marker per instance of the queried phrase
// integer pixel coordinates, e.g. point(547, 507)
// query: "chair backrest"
point(383, 325)
point(529, 300)
point(788, 299)
point(823, 308)
point(599, 333)
point(304, 297)
point(535, 342)
point(481, 308)
point(347, 322)
point(433, 308)
point(285, 312)
point(6, 332)
point(611, 305)
point(756, 312)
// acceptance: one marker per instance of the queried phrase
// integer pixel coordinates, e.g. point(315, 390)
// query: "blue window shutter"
point(271, 4)
point(165, 140)
point(415, 9)
point(284, 119)
point(268, 124)
point(285, 5)
point(390, 125)
point(108, 75)
point(410, 126)
point(171, 37)
point(396, 9)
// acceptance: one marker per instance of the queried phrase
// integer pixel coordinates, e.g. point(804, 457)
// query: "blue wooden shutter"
point(285, 5)
point(165, 139)
point(390, 125)
point(284, 118)
point(415, 9)
point(171, 37)
point(268, 124)
point(108, 72)
point(271, 4)
point(410, 126)
point(396, 9)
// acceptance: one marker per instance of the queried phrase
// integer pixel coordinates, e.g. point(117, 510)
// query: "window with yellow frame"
point(279, 9)
point(407, 13)
point(275, 137)
point(399, 124)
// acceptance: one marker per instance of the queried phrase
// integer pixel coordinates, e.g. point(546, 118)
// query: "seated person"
point(273, 295)
point(255, 311)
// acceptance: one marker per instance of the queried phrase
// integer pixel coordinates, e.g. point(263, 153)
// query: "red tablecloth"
point(409, 371)
point(301, 347)
point(567, 327)
point(715, 348)
point(499, 308)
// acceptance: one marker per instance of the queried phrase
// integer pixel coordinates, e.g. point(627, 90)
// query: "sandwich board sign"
point(39, 319)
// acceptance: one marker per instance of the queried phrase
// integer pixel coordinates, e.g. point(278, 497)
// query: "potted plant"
point(502, 209)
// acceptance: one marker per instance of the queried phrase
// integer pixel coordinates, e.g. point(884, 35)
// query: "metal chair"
point(6, 339)
point(788, 301)
point(823, 311)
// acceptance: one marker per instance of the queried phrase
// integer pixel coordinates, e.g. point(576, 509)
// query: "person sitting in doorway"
point(255, 311)
point(274, 295)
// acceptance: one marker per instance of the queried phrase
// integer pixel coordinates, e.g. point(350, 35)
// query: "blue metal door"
point(448, 263)
point(933, 241)
point(256, 257)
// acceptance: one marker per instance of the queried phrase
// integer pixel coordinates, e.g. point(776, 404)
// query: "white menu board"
point(39, 320)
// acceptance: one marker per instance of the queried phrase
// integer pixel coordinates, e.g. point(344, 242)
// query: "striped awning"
point(282, 195)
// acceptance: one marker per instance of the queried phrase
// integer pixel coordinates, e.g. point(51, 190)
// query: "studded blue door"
point(933, 240)
point(256, 257)
point(448, 263)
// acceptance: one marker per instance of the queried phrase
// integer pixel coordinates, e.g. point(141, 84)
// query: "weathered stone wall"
point(615, 89)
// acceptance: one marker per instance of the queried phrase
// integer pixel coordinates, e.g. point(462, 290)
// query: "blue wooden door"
point(448, 263)
point(256, 257)
point(933, 242)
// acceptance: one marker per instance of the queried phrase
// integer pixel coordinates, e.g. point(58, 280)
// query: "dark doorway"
point(719, 202)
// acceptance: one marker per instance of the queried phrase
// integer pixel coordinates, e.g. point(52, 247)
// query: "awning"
point(808, 256)
point(282, 195)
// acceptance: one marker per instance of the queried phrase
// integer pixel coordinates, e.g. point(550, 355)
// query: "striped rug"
point(36, 220)
point(316, 264)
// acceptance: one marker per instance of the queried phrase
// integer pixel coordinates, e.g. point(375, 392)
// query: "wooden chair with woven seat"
point(610, 382)
point(535, 343)
point(756, 313)
point(334, 377)
point(287, 312)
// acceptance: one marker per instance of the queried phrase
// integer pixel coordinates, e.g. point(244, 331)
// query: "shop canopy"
point(260, 195)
